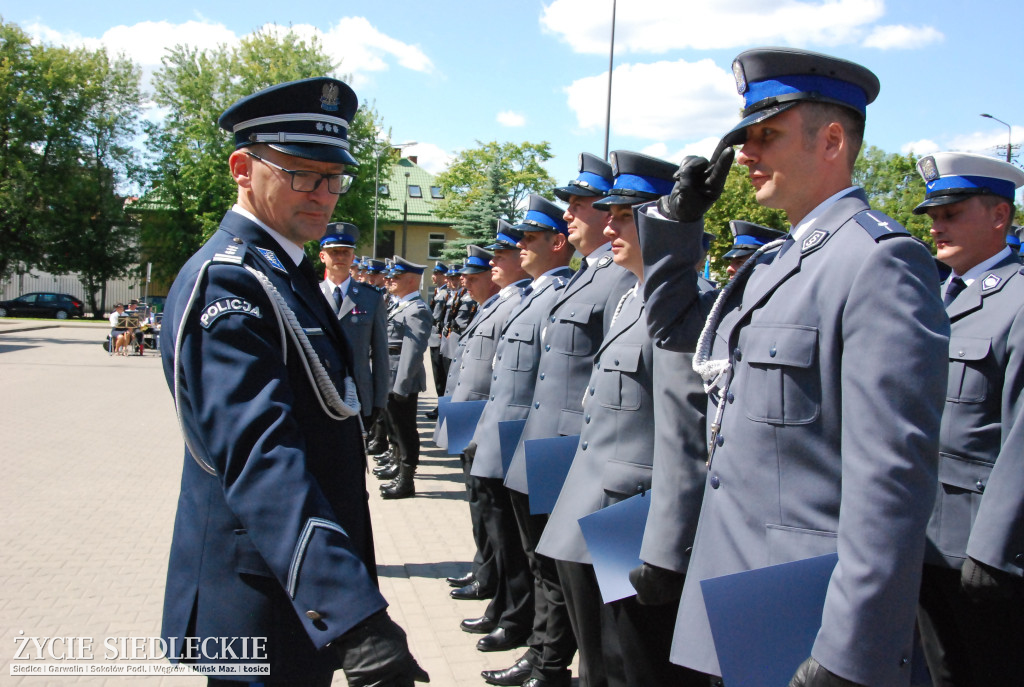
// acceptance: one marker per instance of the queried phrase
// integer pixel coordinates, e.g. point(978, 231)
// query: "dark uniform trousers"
point(402, 418)
point(513, 603)
point(484, 563)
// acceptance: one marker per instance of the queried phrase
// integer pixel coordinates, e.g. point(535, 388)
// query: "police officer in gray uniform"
point(545, 254)
point(361, 312)
point(408, 332)
point(972, 592)
point(747, 237)
point(821, 439)
point(574, 329)
point(436, 304)
point(272, 534)
point(623, 642)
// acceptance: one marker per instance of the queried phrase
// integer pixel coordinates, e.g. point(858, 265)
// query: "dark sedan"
point(59, 305)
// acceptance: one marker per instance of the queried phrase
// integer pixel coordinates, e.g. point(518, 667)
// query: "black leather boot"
point(402, 487)
point(386, 471)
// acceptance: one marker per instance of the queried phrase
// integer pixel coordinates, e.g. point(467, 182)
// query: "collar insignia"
point(813, 240)
point(604, 261)
point(991, 282)
point(270, 257)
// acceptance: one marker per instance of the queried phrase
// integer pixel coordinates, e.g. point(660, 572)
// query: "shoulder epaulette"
point(879, 225)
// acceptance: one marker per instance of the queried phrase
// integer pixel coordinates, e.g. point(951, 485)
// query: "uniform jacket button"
point(980, 485)
point(541, 375)
point(587, 419)
point(591, 391)
point(737, 354)
point(547, 347)
point(552, 318)
point(584, 445)
point(715, 482)
point(720, 440)
point(537, 404)
point(729, 397)
point(313, 615)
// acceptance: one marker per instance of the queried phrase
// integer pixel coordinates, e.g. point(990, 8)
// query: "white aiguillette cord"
point(717, 374)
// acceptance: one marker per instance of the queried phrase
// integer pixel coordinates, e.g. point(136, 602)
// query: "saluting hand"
point(698, 185)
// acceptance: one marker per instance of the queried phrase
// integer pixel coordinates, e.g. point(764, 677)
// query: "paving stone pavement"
point(91, 456)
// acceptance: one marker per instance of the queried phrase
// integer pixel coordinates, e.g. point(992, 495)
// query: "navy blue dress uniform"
point(817, 410)
point(976, 531)
point(361, 311)
point(272, 533)
point(408, 333)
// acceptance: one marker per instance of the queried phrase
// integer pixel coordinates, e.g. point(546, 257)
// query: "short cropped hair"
point(817, 115)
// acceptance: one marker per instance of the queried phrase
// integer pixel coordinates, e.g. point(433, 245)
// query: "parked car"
point(59, 305)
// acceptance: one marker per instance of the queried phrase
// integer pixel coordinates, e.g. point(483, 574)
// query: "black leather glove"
point(982, 582)
point(698, 185)
point(375, 654)
point(813, 674)
point(656, 586)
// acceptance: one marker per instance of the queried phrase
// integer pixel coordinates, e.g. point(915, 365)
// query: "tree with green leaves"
point(190, 186)
point(478, 221)
point(520, 168)
point(894, 187)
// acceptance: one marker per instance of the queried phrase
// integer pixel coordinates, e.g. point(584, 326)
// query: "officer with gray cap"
point(408, 334)
point(437, 304)
point(747, 238)
point(820, 439)
point(972, 590)
point(361, 311)
point(272, 534)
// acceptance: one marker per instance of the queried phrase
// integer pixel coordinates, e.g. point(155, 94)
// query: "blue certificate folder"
point(547, 465)
point(440, 435)
point(509, 433)
point(614, 535)
point(764, 621)
point(460, 420)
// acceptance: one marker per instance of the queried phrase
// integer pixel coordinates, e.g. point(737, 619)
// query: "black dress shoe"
point(501, 639)
point(478, 626)
point(471, 591)
point(389, 471)
point(461, 581)
point(514, 676)
point(431, 414)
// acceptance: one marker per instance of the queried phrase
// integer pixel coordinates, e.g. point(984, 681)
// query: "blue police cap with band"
point(307, 118)
point(1013, 239)
point(477, 260)
point(340, 235)
point(638, 179)
point(953, 177)
point(374, 266)
point(748, 237)
point(595, 179)
point(453, 270)
point(441, 268)
point(543, 215)
point(403, 266)
point(507, 237)
point(772, 80)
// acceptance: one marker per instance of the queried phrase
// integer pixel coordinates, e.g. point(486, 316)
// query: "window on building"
point(435, 245)
point(384, 190)
point(385, 243)
point(435, 192)
point(415, 191)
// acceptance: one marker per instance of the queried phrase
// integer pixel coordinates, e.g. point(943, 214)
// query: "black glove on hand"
point(813, 674)
point(656, 586)
point(698, 185)
point(375, 654)
point(982, 582)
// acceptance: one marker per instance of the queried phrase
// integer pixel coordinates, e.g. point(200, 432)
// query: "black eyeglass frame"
point(344, 181)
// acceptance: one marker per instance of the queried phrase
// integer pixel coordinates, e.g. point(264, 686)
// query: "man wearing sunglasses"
point(272, 536)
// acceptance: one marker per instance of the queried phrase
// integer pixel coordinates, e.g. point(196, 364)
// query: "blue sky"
point(448, 73)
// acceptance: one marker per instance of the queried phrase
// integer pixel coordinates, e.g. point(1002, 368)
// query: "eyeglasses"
point(305, 181)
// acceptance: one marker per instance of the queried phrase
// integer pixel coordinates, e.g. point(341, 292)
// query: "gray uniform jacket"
point(515, 370)
point(613, 458)
point(471, 374)
point(838, 352)
point(571, 336)
point(437, 309)
point(408, 330)
point(981, 445)
point(364, 321)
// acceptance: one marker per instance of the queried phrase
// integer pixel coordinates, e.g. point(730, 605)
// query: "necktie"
point(337, 298)
point(956, 285)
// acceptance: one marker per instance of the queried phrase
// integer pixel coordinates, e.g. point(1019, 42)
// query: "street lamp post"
point(1009, 140)
point(376, 175)
point(611, 63)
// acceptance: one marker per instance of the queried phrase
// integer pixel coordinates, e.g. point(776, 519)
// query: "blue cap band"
point(477, 262)
point(533, 217)
point(633, 182)
point(595, 181)
point(832, 89)
point(1012, 241)
point(505, 238)
point(1000, 187)
point(747, 241)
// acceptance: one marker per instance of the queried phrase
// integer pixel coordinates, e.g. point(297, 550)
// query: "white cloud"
point(925, 146)
point(657, 26)
point(353, 43)
point(430, 157)
point(898, 36)
point(510, 118)
point(678, 101)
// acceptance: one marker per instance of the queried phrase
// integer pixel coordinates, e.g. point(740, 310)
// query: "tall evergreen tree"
point(477, 222)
